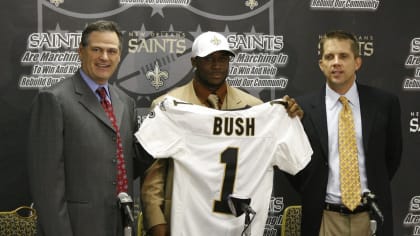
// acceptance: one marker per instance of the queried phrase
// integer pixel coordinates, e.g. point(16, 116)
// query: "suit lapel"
point(117, 105)
point(232, 100)
point(190, 95)
point(319, 120)
point(367, 113)
point(89, 100)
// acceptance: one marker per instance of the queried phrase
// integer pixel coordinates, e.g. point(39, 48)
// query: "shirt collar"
point(331, 97)
point(92, 85)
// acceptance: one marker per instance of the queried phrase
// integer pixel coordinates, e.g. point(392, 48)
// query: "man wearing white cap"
point(210, 57)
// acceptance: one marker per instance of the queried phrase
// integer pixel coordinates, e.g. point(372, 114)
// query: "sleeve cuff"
point(153, 215)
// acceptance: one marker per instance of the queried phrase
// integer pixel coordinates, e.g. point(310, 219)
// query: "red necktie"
point(122, 182)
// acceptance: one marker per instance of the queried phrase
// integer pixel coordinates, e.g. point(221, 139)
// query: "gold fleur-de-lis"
point(156, 76)
point(215, 41)
point(251, 4)
point(56, 2)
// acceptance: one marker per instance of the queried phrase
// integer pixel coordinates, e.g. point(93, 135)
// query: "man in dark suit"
point(73, 143)
point(377, 126)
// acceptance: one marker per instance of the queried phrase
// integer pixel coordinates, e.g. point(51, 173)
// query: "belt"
point(344, 210)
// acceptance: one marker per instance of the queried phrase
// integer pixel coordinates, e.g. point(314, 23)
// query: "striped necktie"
point(213, 99)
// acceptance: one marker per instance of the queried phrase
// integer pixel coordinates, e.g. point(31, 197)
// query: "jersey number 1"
point(230, 158)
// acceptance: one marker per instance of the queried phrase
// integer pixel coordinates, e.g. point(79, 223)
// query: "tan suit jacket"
point(156, 191)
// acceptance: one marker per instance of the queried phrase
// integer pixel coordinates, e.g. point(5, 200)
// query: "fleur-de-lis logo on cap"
point(215, 41)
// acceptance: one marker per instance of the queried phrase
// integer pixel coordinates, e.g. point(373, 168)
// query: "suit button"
point(114, 183)
point(114, 160)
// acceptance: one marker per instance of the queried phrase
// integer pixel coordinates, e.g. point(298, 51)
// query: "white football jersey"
point(217, 153)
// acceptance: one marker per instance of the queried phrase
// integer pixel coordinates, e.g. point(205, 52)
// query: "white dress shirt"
point(333, 108)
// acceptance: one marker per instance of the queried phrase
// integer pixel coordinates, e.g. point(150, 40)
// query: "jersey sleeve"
point(159, 134)
point(293, 150)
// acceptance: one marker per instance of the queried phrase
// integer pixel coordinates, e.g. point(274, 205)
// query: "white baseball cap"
point(209, 42)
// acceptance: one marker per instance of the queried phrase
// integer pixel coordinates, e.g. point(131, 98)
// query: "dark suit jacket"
point(72, 159)
point(382, 141)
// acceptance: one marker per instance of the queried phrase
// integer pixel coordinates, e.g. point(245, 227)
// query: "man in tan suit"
point(210, 57)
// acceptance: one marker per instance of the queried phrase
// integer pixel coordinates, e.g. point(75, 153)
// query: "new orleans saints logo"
point(56, 2)
point(156, 76)
point(251, 4)
point(215, 41)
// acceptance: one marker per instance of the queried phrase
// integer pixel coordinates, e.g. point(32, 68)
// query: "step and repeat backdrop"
point(276, 43)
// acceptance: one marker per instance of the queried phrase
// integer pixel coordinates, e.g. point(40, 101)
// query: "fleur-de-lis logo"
point(56, 2)
point(251, 4)
point(156, 76)
point(215, 41)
